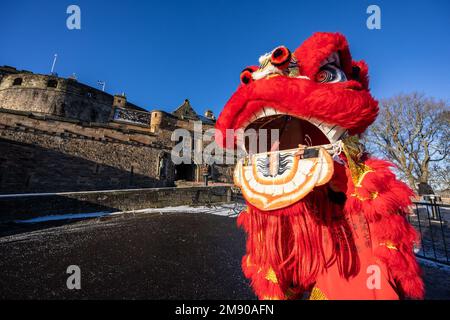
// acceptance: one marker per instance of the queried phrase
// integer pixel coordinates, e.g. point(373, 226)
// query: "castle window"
point(27, 182)
point(17, 82)
point(131, 176)
point(61, 109)
point(52, 83)
point(94, 115)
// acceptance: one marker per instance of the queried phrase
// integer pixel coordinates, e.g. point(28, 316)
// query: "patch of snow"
point(21, 195)
point(227, 210)
point(68, 216)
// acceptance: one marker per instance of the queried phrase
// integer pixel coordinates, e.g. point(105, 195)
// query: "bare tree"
point(440, 175)
point(413, 132)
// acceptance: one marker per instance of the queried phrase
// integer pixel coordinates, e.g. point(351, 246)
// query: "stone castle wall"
point(22, 207)
point(41, 153)
point(57, 135)
point(38, 155)
point(56, 96)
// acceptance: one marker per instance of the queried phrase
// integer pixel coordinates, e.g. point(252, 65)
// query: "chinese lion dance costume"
point(324, 220)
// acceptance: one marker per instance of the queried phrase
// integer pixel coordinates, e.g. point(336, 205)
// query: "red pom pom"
point(246, 74)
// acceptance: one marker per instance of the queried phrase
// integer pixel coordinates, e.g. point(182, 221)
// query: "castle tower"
point(156, 120)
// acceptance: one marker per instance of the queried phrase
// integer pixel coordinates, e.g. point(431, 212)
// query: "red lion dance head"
point(324, 220)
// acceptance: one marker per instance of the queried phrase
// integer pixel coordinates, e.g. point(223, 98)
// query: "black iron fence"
point(431, 219)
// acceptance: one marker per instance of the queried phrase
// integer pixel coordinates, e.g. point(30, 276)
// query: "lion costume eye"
point(280, 57)
point(330, 74)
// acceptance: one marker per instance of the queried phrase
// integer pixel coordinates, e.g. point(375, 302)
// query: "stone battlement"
point(55, 126)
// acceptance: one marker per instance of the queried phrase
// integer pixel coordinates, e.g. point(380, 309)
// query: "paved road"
point(151, 256)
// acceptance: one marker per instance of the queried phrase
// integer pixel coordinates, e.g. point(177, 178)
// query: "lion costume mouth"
point(293, 130)
point(300, 159)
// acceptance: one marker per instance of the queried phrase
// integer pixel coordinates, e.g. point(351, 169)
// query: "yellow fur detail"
point(317, 294)
point(389, 245)
point(270, 298)
point(373, 195)
point(271, 276)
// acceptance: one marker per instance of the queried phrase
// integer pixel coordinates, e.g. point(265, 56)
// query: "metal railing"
point(431, 220)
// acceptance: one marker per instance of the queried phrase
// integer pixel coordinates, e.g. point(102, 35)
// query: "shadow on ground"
point(151, 256)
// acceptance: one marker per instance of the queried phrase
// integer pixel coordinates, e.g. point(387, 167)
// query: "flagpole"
point(102, 83)
point(54, 63)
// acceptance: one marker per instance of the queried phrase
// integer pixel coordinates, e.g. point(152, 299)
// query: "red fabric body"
point(315, 243)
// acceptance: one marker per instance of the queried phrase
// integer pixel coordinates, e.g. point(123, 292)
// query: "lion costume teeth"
point(321, 212)
point(276, 180)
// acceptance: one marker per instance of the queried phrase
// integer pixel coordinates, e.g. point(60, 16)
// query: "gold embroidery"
point(317, 294)
point(354, 150)
point(389, 245)
point(363, 170)
point(270, 298)
point(249, 263)
point(271, 276)
point(372, 196)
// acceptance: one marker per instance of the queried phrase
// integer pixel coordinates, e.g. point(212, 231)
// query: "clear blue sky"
point(161, 52)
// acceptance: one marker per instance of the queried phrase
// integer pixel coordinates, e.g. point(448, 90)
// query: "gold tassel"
point(354, 150)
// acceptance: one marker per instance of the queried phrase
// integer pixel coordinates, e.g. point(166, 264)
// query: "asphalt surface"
point(169, 256)
point(150, 256)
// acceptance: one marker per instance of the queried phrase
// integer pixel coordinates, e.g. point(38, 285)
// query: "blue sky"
point(161, 52)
